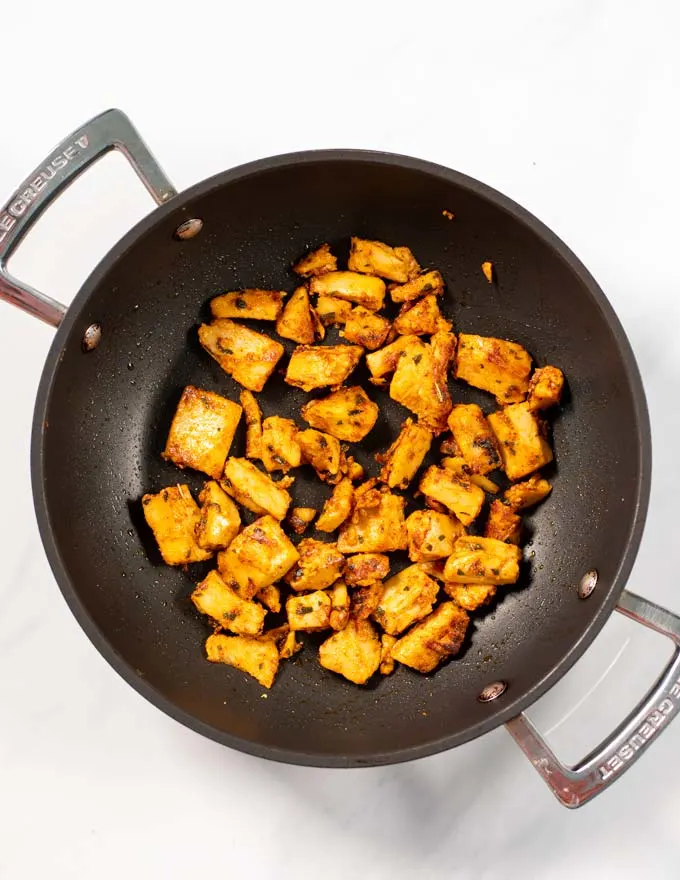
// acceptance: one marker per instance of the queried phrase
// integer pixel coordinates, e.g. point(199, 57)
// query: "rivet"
point(189, 229)
point(492, 691)
point(587, 584)
point(92, 337)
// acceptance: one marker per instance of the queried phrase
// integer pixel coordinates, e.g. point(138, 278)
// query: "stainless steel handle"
point(111, 130)
point(575, 786)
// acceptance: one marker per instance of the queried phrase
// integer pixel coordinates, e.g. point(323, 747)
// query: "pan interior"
point(106, 415)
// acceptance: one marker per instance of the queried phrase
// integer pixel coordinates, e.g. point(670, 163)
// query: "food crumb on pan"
point(448, 214)
point(488, 270)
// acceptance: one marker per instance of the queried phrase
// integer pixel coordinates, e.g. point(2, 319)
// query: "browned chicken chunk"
point(258, 656)
point(474, 438)
point(460, 496)
point(364, 290)
point(365, 328)
point(310, 613)
point(363, 569)
point(224, 605)
point(431, 535)
point(348, 414)
point(420, 380)
point(365, 600)
point(253, 489)
point(378, 529)
point(333, 310)
point(316, 262)
point(354, 652)
point(431, 641)
point(247, 356)
point(545, 388)
point(263, 305)
point(337, 508)
point(322, 452)
point(320, 565)
point(421, 317)
point(280, 448)
point(318, 366)
point(202, 431)
point(384, 361)
point(529, 493)
point(297, 321)
point(406, 597)
point(378, 258)
point(173, 517)
point(220, 519)
point(300, 517)
point(402, 460)
point(471, 597)
point(503, 523)
point(258, 556)
point(494, 365)
point(521, 440)
point(429, 283)
point(387, 664)
point(482, 561)
point(340, 605)
point(253, 416)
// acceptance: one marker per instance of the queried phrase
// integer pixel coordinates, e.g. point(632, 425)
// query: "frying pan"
point(127, 346)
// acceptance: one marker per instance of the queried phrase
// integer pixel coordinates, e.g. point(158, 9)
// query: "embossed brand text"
point(33, 190)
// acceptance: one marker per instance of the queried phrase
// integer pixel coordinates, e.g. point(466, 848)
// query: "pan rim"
point(498, 714)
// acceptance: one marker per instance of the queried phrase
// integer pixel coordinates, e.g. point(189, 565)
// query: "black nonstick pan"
point(127, 346)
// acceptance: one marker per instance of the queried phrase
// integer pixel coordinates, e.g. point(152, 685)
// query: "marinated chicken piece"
point(521, 440)
point(365, 600)
point(424, 285)
point(297, 322)
point(290, 646)
point(354, 470)
point(318, 366)
point(363, 569)
point(172, 516)
point(384, 361)
point(299, 518)
point(494, 365)
point(484, 483)
point(527, 494)
point(431, 535)
point(263, 305)
point(332, 310)
point(270, 597)
point(224, 605)
point(253, 416)
point(220, 519)
point(488, 271)
point(462, 469)
point(322, 452)
point(378, 258)
point(258, 656)
point(368, 494)
point(406, 597)
point(545, 388)
point(316, 262)
point(348, 414)
point(253, 489)
point(404, 457)
point(309, 613)
point(421, 317)
point(482, 561)
point(420, 380)
point(503, 523)
point(354, 652)
point(470, 596)
point(340, 606)
point(280, 448)
point(247, 356)
point(319, 326)
point(319, 566)
point(337, 508)
point(202, 431)
point(258, 556)
point(431, 641)
point(474, 438)
point(378, 529)
point(365, 328)
point(448, 446)
point(387, 642)
point(364, 290)
point(459, 495)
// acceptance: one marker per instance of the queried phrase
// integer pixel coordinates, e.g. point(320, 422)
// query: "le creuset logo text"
point(651, 725)
point(22, 201)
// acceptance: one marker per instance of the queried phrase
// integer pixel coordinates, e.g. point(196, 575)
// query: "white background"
point(568, 107)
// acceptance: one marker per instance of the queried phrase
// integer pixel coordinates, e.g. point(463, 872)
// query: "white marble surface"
point(570, 108)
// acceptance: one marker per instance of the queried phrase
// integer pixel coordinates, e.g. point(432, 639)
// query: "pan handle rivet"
point(189, 229)
point(492, 691)
point(92, 337)
point(587, 584)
